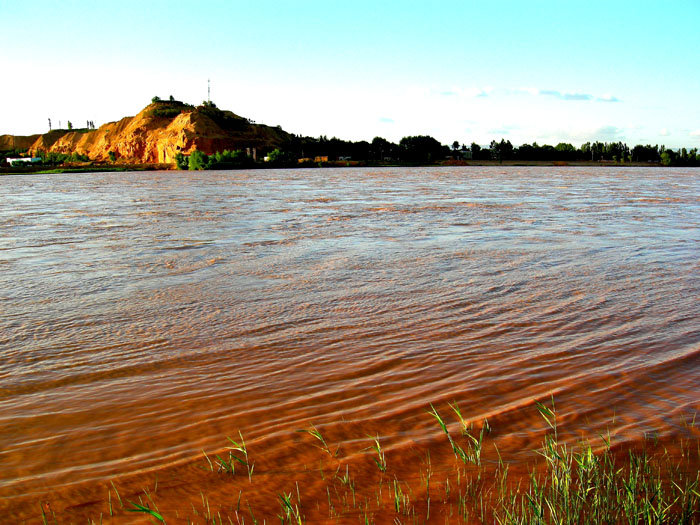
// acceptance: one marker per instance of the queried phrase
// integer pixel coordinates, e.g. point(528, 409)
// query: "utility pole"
point(49, 124)
point(208, 90)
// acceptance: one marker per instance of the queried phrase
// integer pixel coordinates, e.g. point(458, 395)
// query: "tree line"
point(416, 150)
point(593, 151)
point(51, 158)
point(223, 160)
point(424, 149)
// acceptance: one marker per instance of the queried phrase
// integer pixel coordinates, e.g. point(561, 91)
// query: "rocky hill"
point(156, 134)
point(11, 142)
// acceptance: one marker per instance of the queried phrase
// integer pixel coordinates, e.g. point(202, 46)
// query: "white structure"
point(27, 160)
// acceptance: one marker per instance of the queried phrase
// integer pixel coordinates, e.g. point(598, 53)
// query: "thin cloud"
point(664, 132)
point(577, 96)
point(471, 92)
point(609, 132)
point(695, 133)
point(386, 120)
point(607, 98)
point(564, 95)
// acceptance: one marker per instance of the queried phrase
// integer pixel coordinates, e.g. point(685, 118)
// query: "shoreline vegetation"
point(221, 140)
point(99, 167)
point(594, 481)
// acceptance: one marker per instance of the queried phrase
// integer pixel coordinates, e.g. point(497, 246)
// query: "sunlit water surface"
point(146, 316)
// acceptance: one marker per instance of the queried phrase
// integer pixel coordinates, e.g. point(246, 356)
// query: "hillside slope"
point(158, 133)
point(12, 142)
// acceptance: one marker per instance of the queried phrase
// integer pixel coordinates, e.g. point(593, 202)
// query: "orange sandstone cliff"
point(11, 142)
point(158, 133)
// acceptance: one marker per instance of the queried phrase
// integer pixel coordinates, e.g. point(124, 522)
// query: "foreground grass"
point(575, 485)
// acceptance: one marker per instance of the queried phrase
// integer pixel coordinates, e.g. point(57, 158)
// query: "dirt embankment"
point(156, 135)
point(12, 142)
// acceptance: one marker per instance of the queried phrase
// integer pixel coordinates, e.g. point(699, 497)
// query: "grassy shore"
point(105, 167)
point(592, 482)
point(87, 167)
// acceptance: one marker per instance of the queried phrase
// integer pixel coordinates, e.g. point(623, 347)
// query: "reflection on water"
point(147, 315)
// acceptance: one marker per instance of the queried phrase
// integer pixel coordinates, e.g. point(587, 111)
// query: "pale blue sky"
point(468, 71)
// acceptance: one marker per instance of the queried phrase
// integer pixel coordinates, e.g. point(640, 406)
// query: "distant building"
point(319, 158)
point(19, 160)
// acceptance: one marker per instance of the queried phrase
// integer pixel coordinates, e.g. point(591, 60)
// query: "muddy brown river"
point(146, 316)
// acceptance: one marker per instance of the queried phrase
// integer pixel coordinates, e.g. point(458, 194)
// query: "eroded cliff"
point(158, 133)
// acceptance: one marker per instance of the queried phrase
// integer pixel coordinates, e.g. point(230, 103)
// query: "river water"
point(146, 316)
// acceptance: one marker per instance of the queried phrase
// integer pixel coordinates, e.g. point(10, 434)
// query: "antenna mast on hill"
point(208, 90)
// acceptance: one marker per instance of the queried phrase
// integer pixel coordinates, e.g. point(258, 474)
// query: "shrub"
point(182, 161)
point(227, 160)
point(198, 161)
point(167, 112)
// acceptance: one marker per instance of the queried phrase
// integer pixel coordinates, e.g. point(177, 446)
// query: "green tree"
point(381, 148)
point(646, 153)
point(275, 156)
point(586, 151)
point(422, 149)
point(112, 156)
point(668, 157)
point(182, 162)
point(198, 161)
point(565, 151)
point(70, 125)
point(476, 151)
point(597, 150)
point(155, 99)
point(502, 150)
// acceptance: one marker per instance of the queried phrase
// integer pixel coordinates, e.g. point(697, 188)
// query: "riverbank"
point(106, 168)
point(461, 477)
point(87, 167)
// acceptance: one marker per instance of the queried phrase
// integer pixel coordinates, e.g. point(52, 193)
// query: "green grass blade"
point(146, 510)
